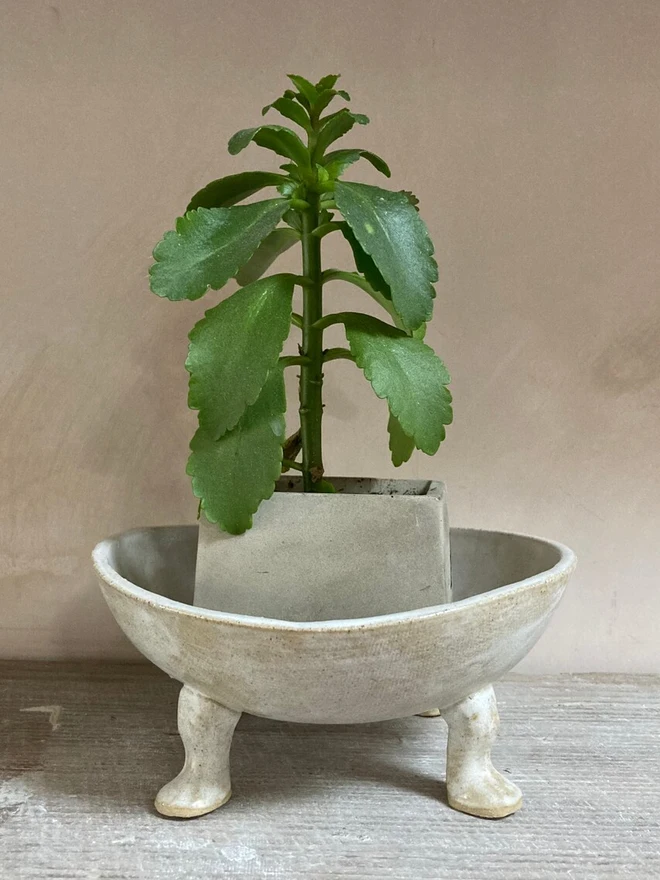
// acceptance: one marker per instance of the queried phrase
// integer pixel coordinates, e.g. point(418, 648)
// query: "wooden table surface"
point(85, 747)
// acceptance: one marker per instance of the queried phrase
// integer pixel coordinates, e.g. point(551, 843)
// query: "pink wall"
point(529, 130)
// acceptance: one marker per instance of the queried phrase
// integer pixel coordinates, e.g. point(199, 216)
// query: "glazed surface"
point(505, 589)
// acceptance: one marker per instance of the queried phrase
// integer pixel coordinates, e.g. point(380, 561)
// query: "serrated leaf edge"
point(383, 395)
point(396, 460)
point(368, 155)
point(176, 232)
point(429, 250)
point(248, 402)
point(250, 510)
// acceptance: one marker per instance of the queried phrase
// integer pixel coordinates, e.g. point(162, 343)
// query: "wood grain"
point(358, 802)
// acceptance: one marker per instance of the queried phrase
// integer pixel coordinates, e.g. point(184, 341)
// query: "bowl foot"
point(474, 786)
point(206, 727)
point(204, 783)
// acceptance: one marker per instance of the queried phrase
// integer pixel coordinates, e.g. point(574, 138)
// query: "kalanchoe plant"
point(235, 359)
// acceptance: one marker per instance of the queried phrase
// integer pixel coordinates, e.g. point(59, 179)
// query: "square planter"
point(374, 547)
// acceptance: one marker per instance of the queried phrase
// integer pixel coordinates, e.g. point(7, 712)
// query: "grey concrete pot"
point(403, 660)
point(375, 547)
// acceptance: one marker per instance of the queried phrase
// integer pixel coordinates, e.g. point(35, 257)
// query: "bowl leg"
point(203, 784)
point(473, 785)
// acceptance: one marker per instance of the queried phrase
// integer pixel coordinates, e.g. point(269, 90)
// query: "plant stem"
point(311, 373)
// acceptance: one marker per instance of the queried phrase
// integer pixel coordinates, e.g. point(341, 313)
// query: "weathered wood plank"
point(360, 803)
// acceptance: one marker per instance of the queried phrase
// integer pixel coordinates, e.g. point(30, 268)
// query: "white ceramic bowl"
point(505, 588)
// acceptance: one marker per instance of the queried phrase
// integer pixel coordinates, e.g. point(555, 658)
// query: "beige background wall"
point(530, 131)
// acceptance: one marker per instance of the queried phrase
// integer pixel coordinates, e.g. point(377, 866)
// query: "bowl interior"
point(162, 560)
point(482, 561)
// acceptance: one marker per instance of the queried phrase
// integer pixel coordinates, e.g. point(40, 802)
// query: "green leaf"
point(361, 282)
point(227, 191)
point(233, 349)
point(407, 373)
point(322, 174)
point(288, 188)
point(365, 264)
point(292, 169)
point(401, 445)
point(391, 231)
point(305, 87)
point(330, 116)
point(287, 107)
point(209, 246)
point(326, 98)
point(274, 244)
point(337, 126)
point(293, 220)
point(234, 474)
point(327, 82)
point(278, 138)
point(339, 160)
point(412, 198)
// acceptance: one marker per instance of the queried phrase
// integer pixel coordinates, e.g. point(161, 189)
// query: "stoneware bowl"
point(433, 660)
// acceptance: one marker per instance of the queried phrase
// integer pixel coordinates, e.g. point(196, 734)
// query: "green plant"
point(234, 361)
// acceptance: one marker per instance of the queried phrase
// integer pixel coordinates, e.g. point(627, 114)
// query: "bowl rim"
point(561, 570)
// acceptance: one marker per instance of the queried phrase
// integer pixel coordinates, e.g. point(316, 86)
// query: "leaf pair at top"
point(304, 107)
point(313, 98)
point(307, 101)
point(281, 140)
